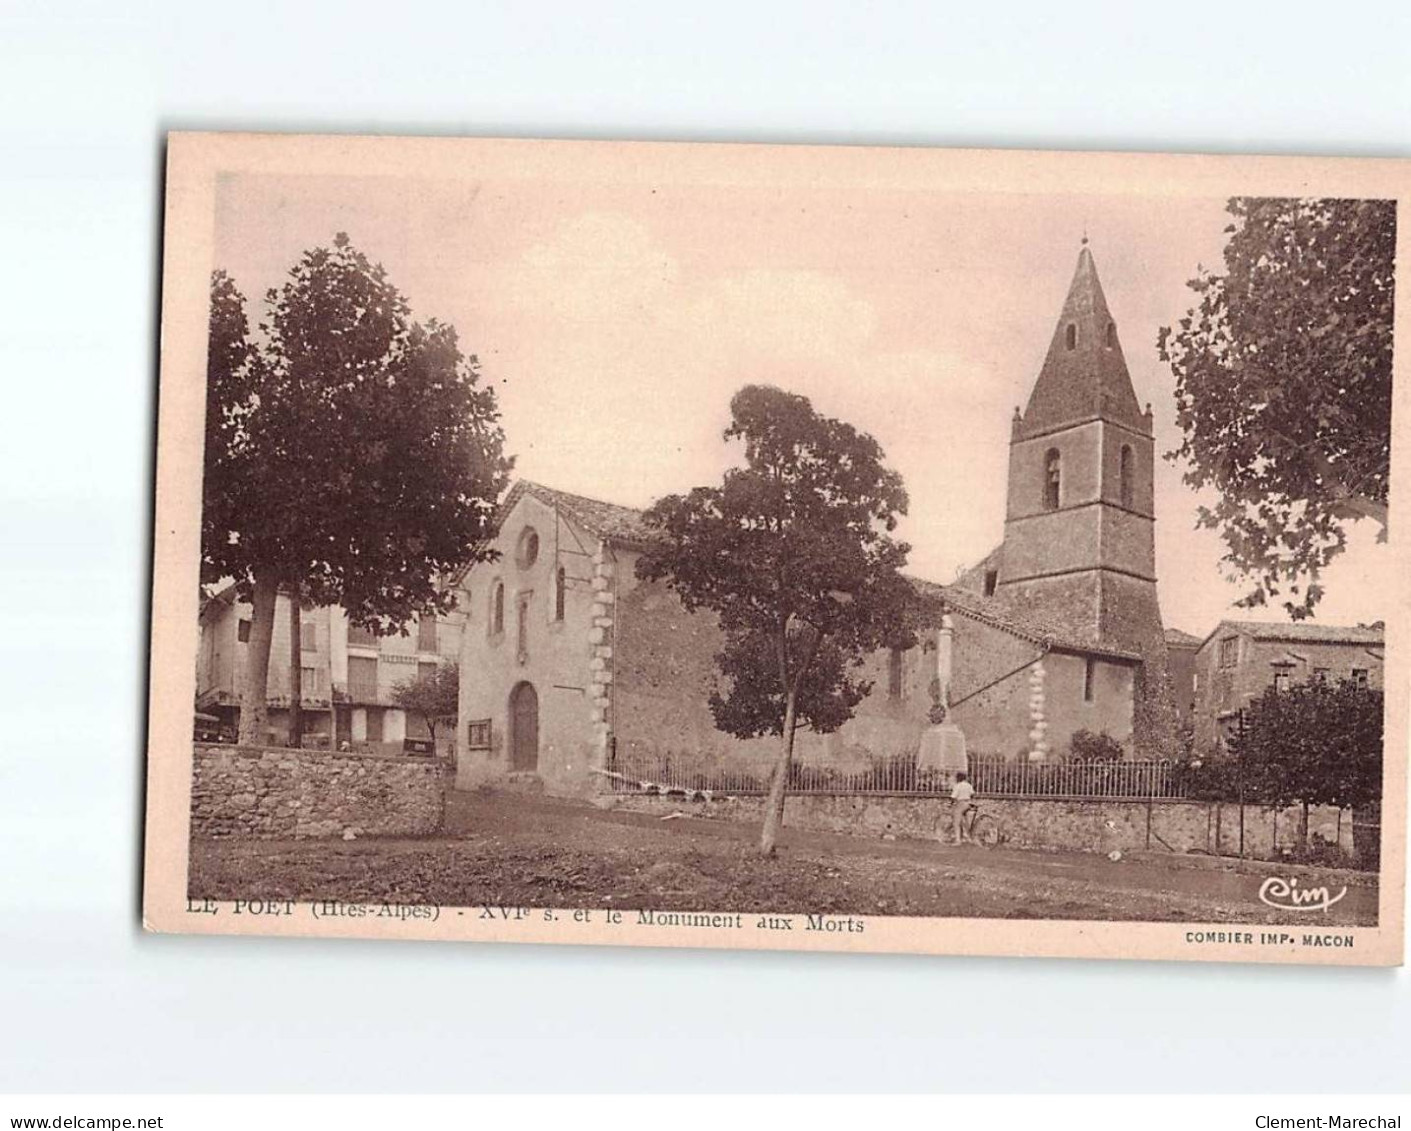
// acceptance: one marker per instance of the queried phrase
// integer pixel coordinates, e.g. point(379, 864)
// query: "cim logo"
point(1286, 895)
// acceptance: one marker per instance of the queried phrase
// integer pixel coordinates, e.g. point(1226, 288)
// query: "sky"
point(616, 317)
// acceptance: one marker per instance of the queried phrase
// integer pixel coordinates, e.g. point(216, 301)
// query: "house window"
point(1124, 475)
point(1281, 680)
point(1320, 675)
point(1071, 337)
point(362, 679)
point(1359, 677)
point(1229, 651)
point(497, 608)
point(308, 682)
point(560, 586)
point(360, 637)
point(1089, 674)
point(1053, 476)
point(426, 632)
point(526, 551)
point(477, 734)
point(894, 670)
point(1111, 334)
point(242, 631)
point(991, 580)
point(308, 636)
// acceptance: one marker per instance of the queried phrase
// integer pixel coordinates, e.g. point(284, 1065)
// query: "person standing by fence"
point(962, 794)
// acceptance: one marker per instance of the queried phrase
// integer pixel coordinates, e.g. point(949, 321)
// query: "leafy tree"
point(1316, 743)
point(352, 456)
point(793, 553)
point(1283, 386)
point(431, 694)
point(1089, 746)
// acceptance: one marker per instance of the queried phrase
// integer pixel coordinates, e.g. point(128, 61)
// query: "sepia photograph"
point(622, 564)
point(780, 547)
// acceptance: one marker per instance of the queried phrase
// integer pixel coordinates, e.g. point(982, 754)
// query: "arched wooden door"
point(524, 727)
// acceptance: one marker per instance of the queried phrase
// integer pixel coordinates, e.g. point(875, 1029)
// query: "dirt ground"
point(515, 850)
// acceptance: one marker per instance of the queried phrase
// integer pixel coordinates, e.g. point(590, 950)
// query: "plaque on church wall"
point(851, 549)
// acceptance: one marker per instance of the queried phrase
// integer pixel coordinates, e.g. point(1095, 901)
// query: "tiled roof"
point(1371, 635)
point(619, 524)
point(1176, 636)
point(998, 613)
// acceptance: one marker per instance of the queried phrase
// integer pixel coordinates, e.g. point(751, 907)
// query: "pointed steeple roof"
point(1084, 375)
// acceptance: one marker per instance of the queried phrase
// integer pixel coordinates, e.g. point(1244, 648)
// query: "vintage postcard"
point(790, 547)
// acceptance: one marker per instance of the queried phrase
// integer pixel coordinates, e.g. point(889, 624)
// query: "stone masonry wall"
point(277, 793)
point(1084, 825)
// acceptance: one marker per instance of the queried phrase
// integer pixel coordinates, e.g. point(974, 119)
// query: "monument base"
point(943, 750)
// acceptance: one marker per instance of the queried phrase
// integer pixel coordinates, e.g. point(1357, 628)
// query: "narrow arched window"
point(1124, 475)
point(497, 608)
point(1111, 334)
point(1053, 475)
point(560, 583)
point(1072, 336)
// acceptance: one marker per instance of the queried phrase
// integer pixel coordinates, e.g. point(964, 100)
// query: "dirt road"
point(507, 849)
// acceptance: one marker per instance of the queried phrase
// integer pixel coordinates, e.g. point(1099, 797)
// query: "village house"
point(1239, 660)
point(571, 665)
point(347, 674)
point(1181, 649)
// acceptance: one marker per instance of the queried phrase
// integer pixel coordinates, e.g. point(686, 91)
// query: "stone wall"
point(279, 793)
point(1180, 668)
point(663, 671)
point(1083, 825)
point(992, 690)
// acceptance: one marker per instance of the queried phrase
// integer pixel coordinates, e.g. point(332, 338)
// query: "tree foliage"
point(750, 700)
point(1283, 386)
point(430, 694)
point(1316, 743)
point(1091, 746)
point(353, 456)
point(794, 554)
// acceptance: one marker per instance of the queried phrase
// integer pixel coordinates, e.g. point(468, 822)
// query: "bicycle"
point(982, 828)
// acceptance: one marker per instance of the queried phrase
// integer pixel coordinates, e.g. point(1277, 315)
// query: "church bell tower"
point(1079, 537)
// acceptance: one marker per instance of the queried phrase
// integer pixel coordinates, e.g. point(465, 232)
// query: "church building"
point(572, 668)
point(1079, 548)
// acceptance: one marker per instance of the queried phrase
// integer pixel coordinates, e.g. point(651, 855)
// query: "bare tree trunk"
point(256, 684)
point(332, 694)
point(774, 807)
point(296, 671)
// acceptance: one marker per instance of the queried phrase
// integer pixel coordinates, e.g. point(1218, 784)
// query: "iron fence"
point(1144, 778)
point(633, 772)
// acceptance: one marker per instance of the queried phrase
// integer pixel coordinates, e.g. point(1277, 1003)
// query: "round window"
point(527, 552)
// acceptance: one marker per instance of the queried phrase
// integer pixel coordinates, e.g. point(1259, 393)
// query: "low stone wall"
point(276, 793)
point(1084, 825)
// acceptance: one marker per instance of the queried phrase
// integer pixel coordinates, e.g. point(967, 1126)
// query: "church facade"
point(572, 668)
